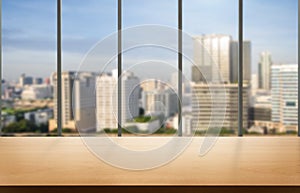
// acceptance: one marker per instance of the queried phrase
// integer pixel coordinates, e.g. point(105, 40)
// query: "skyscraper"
point(284, 79)
point(67, 110)
point(234, 64)
point(106, 99)
point(219, 52)
point(106, 102)
point(212, 53)
point(130, 96)
point(264, 71)
point(84, 98)
point(78, 102)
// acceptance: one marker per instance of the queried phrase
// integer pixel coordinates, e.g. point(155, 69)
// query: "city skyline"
point(79, 106)
point(33, 39)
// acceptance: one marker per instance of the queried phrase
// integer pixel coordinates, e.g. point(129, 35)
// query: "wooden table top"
point(232, 161)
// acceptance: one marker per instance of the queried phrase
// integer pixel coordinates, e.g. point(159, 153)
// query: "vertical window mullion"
point(119, 68)
point(58, 75)
point(298, 67)
point(240, 71)
point(1, 66)
point(179, 67)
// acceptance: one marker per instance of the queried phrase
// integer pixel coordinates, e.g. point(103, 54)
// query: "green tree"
point(20, 126)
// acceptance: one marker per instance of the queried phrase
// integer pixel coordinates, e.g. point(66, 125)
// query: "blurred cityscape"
point(90, 105)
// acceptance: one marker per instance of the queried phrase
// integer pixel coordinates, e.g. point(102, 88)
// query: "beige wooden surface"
point(232, 161)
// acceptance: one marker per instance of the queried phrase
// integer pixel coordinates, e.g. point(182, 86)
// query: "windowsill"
point(232, 161)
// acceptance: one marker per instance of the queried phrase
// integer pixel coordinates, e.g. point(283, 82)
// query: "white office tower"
point(107, 100)
point(212, 56)
point(106, 89)
point(160, 102)
point(264, 71)
point(284, 83)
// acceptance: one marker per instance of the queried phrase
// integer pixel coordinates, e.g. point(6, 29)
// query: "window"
point(214, 26)
point(29, 38)
point(263, 102)
point(274, 87)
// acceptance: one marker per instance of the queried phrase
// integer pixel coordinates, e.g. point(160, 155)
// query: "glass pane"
point(212, 89)
point(272, 26)
point(29, 59)
point(89, 43)
point(149, 67)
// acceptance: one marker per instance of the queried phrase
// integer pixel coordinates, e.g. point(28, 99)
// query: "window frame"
point(119, 28)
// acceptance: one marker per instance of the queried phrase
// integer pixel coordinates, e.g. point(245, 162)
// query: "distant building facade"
point(264, 71)
point(25, 80)
point(284, 82)
point(235, 62)
point(78, 104)
point(106, 100)
point(35, 92)
point(160, 101)
point(202, 105)
point(217, 54)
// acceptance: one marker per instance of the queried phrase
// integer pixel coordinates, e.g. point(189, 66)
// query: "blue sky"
point(29, 28)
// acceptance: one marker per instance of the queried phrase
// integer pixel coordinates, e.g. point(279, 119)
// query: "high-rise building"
point(150, 85)
point(130, 96)
point(201, 73)
point(106, 100)
point(264, 71)
point(218, 54)
point(160, 102)
point(202, 105)
point(25, 80)
point(212, 56)
point(78, 100)
point(84, 101)
point(284, 83)
point(234, 64)
point(67, 110)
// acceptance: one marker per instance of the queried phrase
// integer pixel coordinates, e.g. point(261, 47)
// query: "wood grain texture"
point(232, 161)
